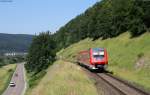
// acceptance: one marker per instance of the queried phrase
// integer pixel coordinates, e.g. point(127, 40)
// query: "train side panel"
point(84, 57)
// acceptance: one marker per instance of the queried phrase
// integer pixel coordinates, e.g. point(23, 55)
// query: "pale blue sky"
point(34, 16)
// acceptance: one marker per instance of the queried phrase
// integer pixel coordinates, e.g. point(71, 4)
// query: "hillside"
point(105, 19)
point(14, 42)
point(63, 78)
point(129, 58)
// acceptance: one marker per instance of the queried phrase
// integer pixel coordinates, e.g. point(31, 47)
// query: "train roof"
point(97, 49)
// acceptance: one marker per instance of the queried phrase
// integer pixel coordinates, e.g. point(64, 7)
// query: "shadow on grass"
point(102, 71)
point(96, 70)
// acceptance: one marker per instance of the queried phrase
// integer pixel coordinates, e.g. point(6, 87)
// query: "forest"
point(106, 19)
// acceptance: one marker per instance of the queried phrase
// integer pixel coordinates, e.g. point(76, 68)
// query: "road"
point(18, 80)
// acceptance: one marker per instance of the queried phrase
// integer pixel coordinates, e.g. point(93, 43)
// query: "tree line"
point(5, 60)
point(106, 19)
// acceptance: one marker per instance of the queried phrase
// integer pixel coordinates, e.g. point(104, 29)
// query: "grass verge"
point(129, 58)
point(64, 78)
point(6, 73)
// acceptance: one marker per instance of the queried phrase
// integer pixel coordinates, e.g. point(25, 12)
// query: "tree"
point(41, 53)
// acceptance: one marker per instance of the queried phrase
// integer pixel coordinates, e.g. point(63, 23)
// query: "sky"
point(35, 16)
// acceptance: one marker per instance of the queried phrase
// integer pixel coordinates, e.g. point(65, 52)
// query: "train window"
point(98, 55)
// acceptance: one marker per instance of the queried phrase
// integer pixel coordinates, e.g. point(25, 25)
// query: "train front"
point(98, 58)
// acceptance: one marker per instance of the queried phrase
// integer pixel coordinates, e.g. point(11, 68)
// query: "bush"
point(10, 70)
point(36, 78)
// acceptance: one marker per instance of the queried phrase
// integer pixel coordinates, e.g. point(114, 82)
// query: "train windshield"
point(98, 55)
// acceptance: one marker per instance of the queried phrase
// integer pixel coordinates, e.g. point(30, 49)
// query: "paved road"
point(18, 80)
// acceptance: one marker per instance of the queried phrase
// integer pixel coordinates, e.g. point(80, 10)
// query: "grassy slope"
point(5, 76)
point(128, 58)
point(64, 78)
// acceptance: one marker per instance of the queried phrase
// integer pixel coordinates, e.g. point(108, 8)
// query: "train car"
point(94, 58)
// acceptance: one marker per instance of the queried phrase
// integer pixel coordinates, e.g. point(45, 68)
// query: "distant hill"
point(14, 42)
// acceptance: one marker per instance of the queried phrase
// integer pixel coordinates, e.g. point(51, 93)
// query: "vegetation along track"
point(112, 83)
point(121, 86)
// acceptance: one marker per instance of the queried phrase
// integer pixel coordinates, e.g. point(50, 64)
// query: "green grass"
point(33, 80)
point(64, 78)
point(5, 76)
point(124, 54)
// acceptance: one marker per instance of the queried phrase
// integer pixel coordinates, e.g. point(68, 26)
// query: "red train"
point(94, 58)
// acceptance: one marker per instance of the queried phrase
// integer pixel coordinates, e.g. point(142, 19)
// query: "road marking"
point(17, 81)
point(25, 86)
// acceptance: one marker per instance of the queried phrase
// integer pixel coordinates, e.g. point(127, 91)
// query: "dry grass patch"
point(64, 78)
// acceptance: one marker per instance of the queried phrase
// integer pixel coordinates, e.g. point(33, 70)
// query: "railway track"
point(121, 86)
